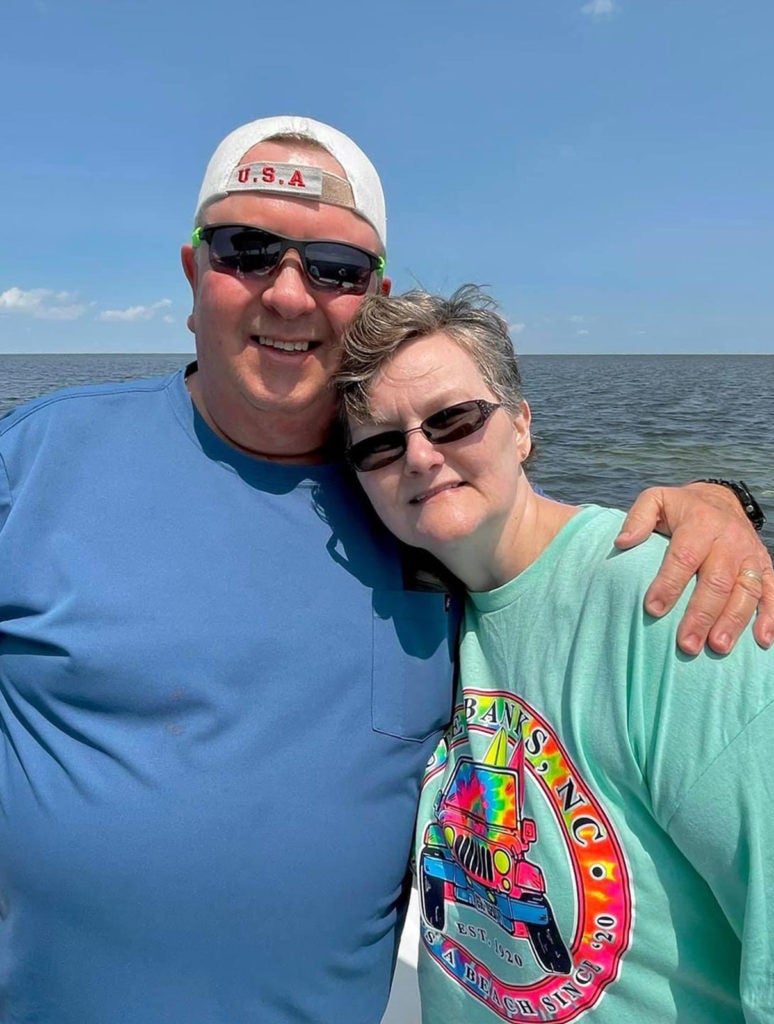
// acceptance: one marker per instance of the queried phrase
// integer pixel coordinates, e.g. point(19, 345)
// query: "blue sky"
point(604, 166)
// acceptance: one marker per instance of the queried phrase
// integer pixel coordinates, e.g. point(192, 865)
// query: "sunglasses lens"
point(244, 250)
point(333, 265)
point(234, 249)
point(442, 427)
point(377, 451)
point(454, 423)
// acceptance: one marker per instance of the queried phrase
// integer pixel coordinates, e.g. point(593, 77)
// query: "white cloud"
point(583, 331)
point(135, 312)
point(42, 303)
point(599, 8)
point(516, 328)
point(576, 318)
point(47, 304)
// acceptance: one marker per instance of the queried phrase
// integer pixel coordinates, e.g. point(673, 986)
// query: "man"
point(220, 679)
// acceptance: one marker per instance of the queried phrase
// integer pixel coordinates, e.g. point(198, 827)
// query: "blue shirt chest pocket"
point(413, 663)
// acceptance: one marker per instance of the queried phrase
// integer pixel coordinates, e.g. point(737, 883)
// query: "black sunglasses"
point(244, 250)
point(443, 427)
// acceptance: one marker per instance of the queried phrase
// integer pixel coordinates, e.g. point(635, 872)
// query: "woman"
point(595, 829)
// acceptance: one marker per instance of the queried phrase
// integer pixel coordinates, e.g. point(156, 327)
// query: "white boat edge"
point(403, 1007)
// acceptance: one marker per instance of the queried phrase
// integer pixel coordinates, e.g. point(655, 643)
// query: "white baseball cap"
point(361, 190)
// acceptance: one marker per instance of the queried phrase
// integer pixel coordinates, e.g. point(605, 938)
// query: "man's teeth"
point(286, 346)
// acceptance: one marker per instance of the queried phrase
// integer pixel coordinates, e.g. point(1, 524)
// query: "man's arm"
point(711, 537)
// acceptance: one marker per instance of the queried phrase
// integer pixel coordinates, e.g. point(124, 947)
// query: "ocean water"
point(605, 426)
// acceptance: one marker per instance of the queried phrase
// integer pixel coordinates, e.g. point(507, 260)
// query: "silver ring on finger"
point(752, 574)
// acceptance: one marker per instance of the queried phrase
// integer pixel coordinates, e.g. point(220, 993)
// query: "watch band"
point(752, 509)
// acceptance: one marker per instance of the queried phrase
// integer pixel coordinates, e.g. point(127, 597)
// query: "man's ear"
point(386, 286)
point(188, 259)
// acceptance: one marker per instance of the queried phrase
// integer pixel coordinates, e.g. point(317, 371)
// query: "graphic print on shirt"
point(486, 881)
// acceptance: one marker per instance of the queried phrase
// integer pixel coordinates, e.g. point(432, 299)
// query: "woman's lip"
point(420, 499)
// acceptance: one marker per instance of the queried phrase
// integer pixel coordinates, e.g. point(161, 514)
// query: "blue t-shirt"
point(217, 699)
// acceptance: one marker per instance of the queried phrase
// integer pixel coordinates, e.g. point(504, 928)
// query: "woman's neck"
point(489, 562)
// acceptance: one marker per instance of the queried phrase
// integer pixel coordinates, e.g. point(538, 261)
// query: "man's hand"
point(711, 536)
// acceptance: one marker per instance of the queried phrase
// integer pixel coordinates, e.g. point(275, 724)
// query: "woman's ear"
point(522, 421)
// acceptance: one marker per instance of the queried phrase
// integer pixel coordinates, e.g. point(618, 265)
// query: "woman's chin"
point(442, 539)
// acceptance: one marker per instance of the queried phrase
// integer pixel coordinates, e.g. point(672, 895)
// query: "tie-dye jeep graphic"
point(474, 854)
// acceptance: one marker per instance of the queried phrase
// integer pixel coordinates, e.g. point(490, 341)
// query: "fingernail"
point(723, 642)
point(656, 607)
point(691, 644)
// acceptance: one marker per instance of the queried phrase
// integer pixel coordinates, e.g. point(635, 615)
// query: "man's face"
point(246, 383)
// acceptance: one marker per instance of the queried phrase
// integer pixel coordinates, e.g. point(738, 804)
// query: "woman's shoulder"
point(590, 543)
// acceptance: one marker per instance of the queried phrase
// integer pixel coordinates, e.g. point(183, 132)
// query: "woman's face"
point(452, 496)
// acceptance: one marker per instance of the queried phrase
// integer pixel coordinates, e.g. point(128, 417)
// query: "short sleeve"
point(725, 827)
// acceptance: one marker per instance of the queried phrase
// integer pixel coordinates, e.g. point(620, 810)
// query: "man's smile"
point(284, 346)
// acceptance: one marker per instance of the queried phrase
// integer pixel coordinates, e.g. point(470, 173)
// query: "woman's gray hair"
point(382, 324)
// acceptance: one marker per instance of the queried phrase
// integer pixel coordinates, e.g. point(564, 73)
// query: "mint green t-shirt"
point(596, 830)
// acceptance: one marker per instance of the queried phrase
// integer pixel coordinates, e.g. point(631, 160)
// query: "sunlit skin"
point(468, 502)
point(273, 403)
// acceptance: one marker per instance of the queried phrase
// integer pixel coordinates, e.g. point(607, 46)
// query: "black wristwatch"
point(752, 509)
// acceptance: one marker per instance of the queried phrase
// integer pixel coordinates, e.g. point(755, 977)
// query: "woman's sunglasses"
point(451, 424)
point(243, 250)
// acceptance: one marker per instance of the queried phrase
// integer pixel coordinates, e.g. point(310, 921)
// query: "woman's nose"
point(421, 454)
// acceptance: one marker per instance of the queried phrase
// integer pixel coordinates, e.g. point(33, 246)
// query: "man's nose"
point(288, 293)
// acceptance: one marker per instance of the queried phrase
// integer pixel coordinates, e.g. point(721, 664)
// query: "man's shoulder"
point(82, 401)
